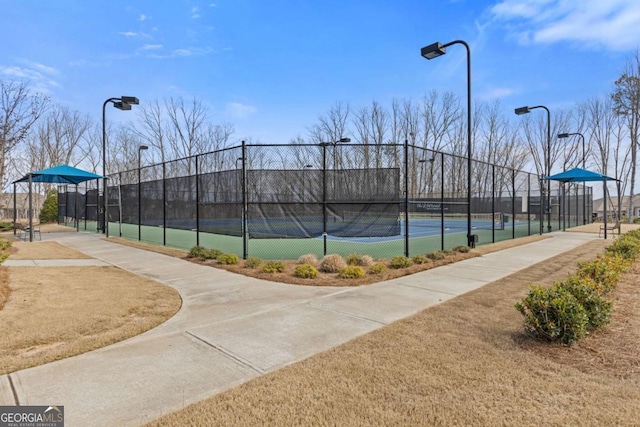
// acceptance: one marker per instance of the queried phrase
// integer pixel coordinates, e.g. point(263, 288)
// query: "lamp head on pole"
point(522, 110)
point(143, 147)
point(130, 100)
point(122, 106)
point(343, 140)
point(563, 135)
point(433, 50)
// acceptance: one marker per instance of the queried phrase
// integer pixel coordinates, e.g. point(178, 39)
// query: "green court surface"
point(295, 247)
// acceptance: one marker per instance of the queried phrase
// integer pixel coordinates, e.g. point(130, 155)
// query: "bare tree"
point(626, 103)
point(56, 139)
point(19, 111)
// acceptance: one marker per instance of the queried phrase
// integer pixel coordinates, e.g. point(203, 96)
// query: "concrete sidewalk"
point(234, 328)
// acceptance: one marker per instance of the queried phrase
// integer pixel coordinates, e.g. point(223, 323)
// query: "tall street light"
point(123, 103)
point(140, 150)
point(433, 51)
point(526, 110)
point(584, 159)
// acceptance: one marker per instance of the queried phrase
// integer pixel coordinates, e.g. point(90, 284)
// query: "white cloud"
point(612, 24)
point(133, 34)
point(240, 111)
point(183, 52)
point(144, 17)
point(496, 93)
point(195, 13)
point(39, 76)
point(151, 47)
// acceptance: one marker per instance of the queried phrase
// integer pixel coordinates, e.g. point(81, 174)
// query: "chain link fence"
point(284, 201)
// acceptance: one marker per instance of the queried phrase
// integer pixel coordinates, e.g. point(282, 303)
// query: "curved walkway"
point(233, 328)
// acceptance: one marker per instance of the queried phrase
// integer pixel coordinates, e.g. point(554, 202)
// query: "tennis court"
point(283, 201)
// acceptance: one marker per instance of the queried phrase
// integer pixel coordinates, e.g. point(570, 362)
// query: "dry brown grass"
point(44, 250)
point(464, 362)
point(53, 313)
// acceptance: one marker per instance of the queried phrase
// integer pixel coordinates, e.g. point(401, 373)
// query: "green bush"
point(598, 309)
point(4, 244)
point(462, 249)
point(306, 271)
point(332, 263)
point(436, 255)
point(6, 226)
point(420, 259)
point(252, 262)
point(49, 211)
point(228, 259)
point(378, 268)
point(627, 246)
point(351, 272)
point(273, 267)
point(196, 252)
point(605, 271)
point(400, 262)
point(353, 259)
point(553, 314)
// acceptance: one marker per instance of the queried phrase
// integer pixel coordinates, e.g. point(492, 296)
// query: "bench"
point(611, 228)
point(22, 232)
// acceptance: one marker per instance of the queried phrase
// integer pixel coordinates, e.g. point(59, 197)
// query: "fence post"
point(493, 203)
point(406, 197)
point(197, 204)
point(442, 201)
point(513, 204)
point(15, 209)
point(244, 201)
point(164, 203)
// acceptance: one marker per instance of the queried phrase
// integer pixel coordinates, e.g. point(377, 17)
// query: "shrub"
point(332, 263)
point(436, 255)
point(598, 309)
point(252, 262)
point(49, 211)
point(400, 262)
point(553, 314)
point(310, 259)
point(273, 267)
point(626, 246)
point(366, 261)
point(228, 259)
point(378, 268)
point(462, 249)
point(204, 253)
point(449, 252)
point(351, 272)
point(306, 271)
point(6, 226)
point(353, 259)
point(420, 259)
point(605, 271)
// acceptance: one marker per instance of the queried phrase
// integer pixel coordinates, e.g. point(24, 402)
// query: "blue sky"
point(271, 68)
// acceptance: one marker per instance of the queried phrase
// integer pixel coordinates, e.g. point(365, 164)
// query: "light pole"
point(526, 110)
point(123, 103)
point(584, 160)
point(433, 51)
point(140, 150)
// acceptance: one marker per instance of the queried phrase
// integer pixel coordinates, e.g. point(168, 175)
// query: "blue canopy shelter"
point(63, 174)
point(582, 175)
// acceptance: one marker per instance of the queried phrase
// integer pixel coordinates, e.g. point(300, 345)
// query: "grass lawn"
point(464, 362)
point(55, 312)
